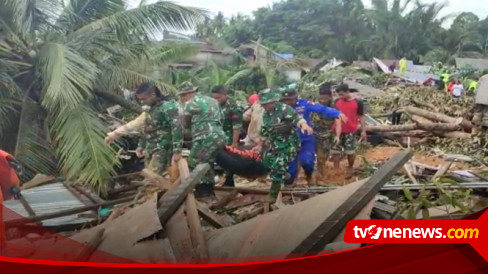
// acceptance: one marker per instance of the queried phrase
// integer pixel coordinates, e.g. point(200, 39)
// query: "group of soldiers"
point(285, 137)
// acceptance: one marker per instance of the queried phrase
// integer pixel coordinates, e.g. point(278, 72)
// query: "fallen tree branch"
point(118, 100)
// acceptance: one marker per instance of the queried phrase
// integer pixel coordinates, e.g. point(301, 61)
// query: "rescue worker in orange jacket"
point(9, 185)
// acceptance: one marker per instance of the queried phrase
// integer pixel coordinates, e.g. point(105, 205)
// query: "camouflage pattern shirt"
point(322, 126)
point(204, 116)
point(232, 114)
point(279, 128)
point(162, 130)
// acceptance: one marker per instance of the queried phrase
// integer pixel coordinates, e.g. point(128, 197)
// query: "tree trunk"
point(118, 100)
point(428, 125)
point(427, 105)
point(391, 128)
point(439, 117)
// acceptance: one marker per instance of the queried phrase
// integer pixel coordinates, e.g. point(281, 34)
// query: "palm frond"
point(67, 77)
point(175, 51)
point(29, 15)
point(79, 137)
point(147, 20)
point(121, 76)
point(239, 75)
point(31, 148)
point(81, 12)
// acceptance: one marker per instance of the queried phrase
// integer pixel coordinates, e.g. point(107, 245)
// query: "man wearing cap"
point(354, 111)
point(232, 123)
point(281, 146)
point(159, 126)
point(203, 115)
point(306, 155)
point(325, 136)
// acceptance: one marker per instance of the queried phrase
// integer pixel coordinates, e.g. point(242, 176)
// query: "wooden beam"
point(172, 200)
point(68, 212)
point(196, 230)
point(90, 246)
point(155, 179)
point(212, 218)
point(443, 169)
point(328, 230)
point(225, 200)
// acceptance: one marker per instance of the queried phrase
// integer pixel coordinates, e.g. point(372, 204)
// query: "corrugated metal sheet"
point(479, 64)
point(363, 90)
point(49, 199)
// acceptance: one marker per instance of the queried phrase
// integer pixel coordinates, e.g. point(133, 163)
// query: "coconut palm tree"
point(53, 55)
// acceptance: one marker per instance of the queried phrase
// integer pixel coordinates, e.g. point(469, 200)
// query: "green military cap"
point(268, 96)
point(187, 87)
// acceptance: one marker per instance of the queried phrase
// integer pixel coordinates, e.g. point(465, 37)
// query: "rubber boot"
point(204, 191)
point(273, 192)
point(229, 180)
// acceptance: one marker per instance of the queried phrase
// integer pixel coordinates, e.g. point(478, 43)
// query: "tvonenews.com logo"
point(375, 232)
point(469, 231)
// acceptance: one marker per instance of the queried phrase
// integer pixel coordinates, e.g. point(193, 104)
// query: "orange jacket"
point(8, 176)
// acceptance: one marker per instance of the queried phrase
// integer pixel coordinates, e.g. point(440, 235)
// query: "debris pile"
point(430, 121)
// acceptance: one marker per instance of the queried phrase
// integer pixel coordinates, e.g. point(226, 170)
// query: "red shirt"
point(352, 109)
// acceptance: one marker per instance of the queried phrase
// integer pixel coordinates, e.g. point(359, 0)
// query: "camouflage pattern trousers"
point(347, 145)
point(278, 158)
point(204, 150)
point(158, 159)
point(323, 145)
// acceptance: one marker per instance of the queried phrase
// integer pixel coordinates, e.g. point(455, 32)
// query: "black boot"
point(229, 180)
point(204, 190)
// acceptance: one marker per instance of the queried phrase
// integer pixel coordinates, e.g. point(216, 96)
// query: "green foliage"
point(346, 29)
point(414, 202)
point(53, 54)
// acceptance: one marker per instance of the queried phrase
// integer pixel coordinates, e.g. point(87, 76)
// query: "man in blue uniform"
point(306, 155)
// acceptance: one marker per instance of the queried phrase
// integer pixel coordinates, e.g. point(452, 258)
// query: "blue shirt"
point(305, 108)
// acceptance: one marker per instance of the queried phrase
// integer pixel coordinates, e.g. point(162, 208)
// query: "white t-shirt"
point(457, 90)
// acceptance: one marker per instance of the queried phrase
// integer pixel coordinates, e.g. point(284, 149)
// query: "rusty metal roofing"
point(49, 199)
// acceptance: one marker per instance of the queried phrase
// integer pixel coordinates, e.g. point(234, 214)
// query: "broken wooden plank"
point(38, 180)
point(225, 200)
point(408, 169)
point(155, 179)
point(196, 231)
point(335, 223)
point(443, 169)
point(90, 246)
point(243, 201)
point(212, 218)
point(250, 213)
point(177, 231)
point(172, 199)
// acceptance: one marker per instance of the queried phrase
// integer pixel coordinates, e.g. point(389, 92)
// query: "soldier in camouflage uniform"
point(282, 143)
point(159, 126)
point(203, 115)
point(325, 136)
point(232, 123)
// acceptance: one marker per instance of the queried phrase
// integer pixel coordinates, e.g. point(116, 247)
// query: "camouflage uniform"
point(279, 128)
point(161, 135)
point(204, 115)
point(324, 136)
point(232, 115)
